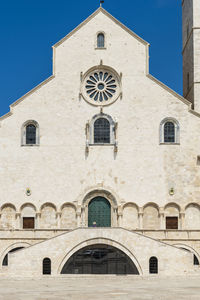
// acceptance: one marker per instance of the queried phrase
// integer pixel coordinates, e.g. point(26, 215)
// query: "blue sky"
point(28, 29)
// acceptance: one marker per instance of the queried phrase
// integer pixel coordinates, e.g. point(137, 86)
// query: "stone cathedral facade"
point(102, 160)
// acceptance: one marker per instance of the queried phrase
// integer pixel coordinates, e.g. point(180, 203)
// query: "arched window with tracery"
point(46, 266)
point(100, 40)
point(101, 131)
point(30, 133)
point(169, 131)
point(153, 265)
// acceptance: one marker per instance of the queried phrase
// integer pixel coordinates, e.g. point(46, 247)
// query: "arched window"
point(100, 40)
point(101, 131)
point(30, 133)
point(28, 216)
point(153, 265)
point(46, 266)
point(169, 131)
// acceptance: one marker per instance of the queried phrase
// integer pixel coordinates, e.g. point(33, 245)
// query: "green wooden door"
point(99, 211)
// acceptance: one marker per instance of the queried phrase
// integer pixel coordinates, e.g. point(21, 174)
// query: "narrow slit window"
point(153, 265)
point(169, 132)
point(100, 40)
point(30, 134)
point(188, 81)
point(46, 266)
point(102, 131)
point(188, 31)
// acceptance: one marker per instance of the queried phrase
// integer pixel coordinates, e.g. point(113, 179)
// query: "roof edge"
point(105, 12)
point(170, 90)
point(26, 95)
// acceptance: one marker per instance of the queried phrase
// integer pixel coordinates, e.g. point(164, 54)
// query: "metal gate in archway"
point(99, 212)
point(100, 259)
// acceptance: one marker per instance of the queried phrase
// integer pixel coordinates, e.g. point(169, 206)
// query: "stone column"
point(140, 215)
point(37, 219)
point(78, 216)
point(83, 221)
point(120, 220)
point(58, 216)
point(114, 217)
point(120, 216)
point(162, 218)
point(182, 220)
point(18, 220)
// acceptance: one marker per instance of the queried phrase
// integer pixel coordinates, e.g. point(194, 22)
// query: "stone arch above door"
point(99, 193)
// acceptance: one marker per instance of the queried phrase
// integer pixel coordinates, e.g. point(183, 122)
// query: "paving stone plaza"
point(101, 287)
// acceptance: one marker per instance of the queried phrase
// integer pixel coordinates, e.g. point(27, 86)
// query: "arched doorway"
point(195, 259)
point(99, 259)
point(99, 212)
point(5, 260)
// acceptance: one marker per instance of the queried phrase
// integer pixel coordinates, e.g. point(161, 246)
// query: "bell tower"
point(191, 51)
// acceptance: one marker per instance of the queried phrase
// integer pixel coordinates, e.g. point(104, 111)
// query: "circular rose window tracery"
point(101, 87)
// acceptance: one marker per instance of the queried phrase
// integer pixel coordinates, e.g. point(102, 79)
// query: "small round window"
point(101, 87)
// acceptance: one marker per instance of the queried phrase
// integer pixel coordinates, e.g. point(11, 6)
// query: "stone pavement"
point(101, 288)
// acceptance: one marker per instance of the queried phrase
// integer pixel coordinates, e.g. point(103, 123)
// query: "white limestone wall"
point(59, 172)
point(171, 260)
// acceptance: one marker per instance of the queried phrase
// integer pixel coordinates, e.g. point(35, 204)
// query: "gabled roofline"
point(26, 95)
point(169, 90)
point(184, 100)
point(100, 9)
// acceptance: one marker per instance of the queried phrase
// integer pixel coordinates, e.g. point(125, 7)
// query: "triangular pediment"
point(107, 14)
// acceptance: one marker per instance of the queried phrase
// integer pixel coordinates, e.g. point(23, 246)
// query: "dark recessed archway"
point(99, 212)
point(99, 259)
point(5, 260)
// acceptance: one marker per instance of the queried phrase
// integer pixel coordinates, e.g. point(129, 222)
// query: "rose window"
point(101, 87)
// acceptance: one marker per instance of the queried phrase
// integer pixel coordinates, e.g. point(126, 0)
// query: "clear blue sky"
point(29, 28)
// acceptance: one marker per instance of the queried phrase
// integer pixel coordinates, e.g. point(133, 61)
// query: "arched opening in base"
point(99, 259)
point(5, 260)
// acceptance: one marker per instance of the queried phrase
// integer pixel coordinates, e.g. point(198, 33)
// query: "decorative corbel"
point(120, 211)
point(58, 214)
point(17, 214)
point(81, 81)
point(81, 77)
point(116, 146)
point(116, 128)
point(78, 210)
point(115, 133)
point(87, 128)
point(120, 76)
